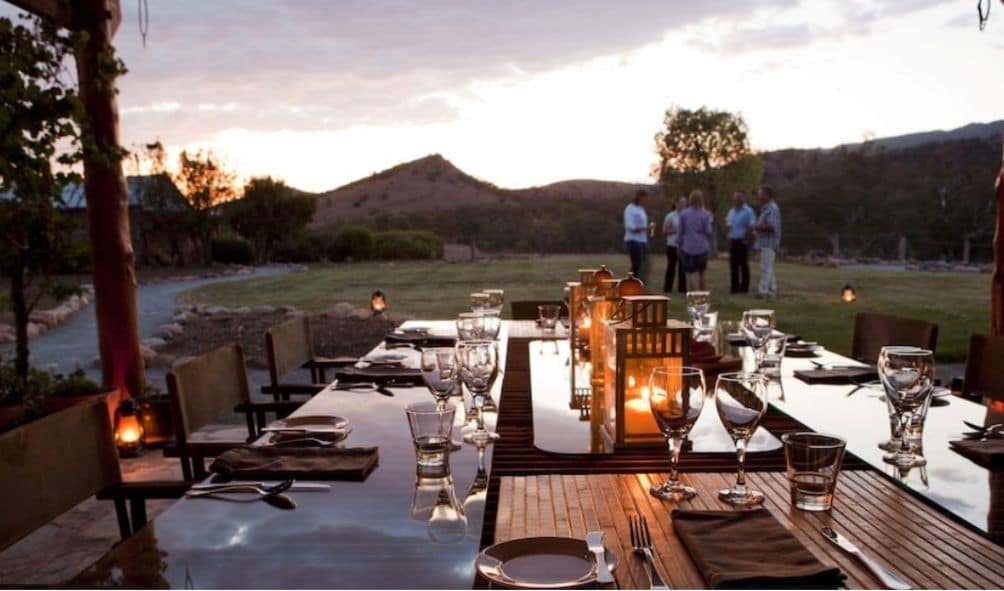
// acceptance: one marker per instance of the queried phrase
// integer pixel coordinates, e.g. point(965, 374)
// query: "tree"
point(269, 212)
point(694, 145)
point(205, 183)
point(40, 135)
point(161, 216)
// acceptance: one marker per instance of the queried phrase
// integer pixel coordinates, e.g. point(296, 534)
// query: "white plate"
point(415, 330)
point(308, 424)
point(540, 563)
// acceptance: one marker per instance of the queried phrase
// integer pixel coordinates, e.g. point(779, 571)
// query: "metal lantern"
point(128, 428)
point(378, 303)
point(603, 307)
point(641, 341)
point(630, 286)
point(848, 294)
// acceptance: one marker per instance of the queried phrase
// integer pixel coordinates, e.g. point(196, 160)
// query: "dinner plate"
point(415, 330)
point(801, 350)
point(385, 358)
point(540, 563)
point(308, 424)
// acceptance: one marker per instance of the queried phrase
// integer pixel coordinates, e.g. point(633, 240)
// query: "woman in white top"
point(674, 268)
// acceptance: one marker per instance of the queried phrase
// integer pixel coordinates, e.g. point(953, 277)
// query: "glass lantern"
point(128, 428)
point(641, 340)
point(603, 307)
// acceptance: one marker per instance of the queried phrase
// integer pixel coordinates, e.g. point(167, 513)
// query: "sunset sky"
point(529, 92)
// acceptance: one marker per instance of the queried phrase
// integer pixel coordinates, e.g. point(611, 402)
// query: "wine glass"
point(491, 324)
point(439, 371)
point(676, 396)
point(470, 326)
point(478, 361)
point(698, 303)
point(908, 377)
point(894, 442)
point(757, 326)
point(496, 300)
point(479, 301)
point(741, 400)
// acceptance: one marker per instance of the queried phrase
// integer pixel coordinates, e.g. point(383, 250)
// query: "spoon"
point(261, 490)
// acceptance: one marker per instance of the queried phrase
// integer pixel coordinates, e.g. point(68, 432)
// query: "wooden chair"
point(203, 390)
point(290, 347)
point(527, 309)
point(985, 367)
point(874, 331)
point(50, 465)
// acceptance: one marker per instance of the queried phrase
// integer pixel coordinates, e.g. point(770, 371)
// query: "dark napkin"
point(988, 453)
point(384, 375)
point(419, 340)
point(750, 549)
point(840, 375)
point(319, 463)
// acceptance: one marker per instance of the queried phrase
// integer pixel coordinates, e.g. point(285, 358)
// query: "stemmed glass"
point(698, 304)
point(479, 367)
point(441, 376)
point(908, 377)
point(470, 326)
point(676, 396)
point(479, 301)
point(757, 326)
point(741, 400)
point(496, 300)
point(491, 324)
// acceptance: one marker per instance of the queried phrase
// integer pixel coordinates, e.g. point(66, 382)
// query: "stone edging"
point(40, 321)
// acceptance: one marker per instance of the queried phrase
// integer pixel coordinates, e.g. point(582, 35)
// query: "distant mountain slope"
point(911, 140)
point(433, 183)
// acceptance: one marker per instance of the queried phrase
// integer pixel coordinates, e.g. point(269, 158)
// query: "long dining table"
point(936, 532)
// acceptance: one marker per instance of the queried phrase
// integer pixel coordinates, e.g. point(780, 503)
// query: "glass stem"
point(741, 459)
point(675, 442)
point(905, 418)
point(479, 405)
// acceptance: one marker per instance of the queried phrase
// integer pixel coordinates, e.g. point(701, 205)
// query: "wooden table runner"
point(926, 548)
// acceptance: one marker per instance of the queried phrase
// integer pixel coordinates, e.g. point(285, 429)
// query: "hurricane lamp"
point(128, 428)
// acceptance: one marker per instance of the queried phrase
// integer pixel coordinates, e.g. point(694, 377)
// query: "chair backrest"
point(52, 464)
point(874, 331)
point(527, 309)
point(205, 388)
point(985, 367)
point(289, 345)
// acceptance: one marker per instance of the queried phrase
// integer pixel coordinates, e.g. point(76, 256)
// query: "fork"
point(641, 542)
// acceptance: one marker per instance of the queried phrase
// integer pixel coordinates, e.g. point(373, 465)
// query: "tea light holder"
point(378, 303)
point(641, 340)
point(848, 295)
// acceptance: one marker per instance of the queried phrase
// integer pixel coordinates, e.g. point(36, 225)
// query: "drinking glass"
point(757, 326)
point(676, 396)
point(704, 330)
point(478, 369)
point(439, 371)
point(741, 400)
point(470, 326)
point(491, 324)
point(431, 431)
point(813, 463)
point(773, 353)
point(479, 301)
point(908, 377)
point(496, 300)
point(548, 316)
point(698, 303)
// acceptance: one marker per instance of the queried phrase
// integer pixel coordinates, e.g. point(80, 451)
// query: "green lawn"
point(808, 303)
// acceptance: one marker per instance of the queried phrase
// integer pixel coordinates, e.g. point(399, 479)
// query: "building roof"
point(139, 188)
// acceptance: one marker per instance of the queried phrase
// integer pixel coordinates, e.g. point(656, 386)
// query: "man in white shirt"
point(636, 231)
point(674, 267)
point(768, 241)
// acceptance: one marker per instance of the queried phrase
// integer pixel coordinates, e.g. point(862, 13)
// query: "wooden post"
point(997, 279)
point(107, 207)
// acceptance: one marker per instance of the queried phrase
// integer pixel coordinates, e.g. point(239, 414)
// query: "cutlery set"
point(273, 494)
point(980, 432)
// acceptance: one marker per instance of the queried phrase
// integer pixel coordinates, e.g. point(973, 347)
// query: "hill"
point(433, 183)
point(973, 131)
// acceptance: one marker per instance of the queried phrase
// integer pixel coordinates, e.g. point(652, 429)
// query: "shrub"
point(407, 244)
point(302, 247)
point(351, 243)
point(231, 249)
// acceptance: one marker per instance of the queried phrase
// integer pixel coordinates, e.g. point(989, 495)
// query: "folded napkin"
point(988, 453)
point(419, 339)
point(840, 375)
point(750, 549)
point(381, 374)
point(320, 463)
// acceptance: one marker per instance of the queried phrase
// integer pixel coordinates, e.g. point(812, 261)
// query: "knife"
point(888, 579)
point(594, 540)
point(297, 486)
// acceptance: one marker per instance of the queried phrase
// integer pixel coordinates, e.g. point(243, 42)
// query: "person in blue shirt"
point(636, 233)
point(739, 226)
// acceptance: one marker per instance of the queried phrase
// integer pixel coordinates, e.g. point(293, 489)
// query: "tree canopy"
point(269, 212)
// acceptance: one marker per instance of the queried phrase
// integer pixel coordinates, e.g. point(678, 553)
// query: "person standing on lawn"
point(768, 240)
point(636, 232)
point(694, 242)
point(674, 266)
point(739, 225)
